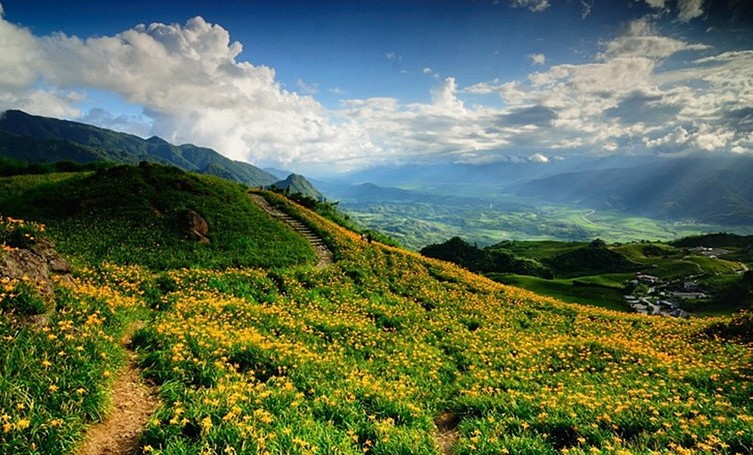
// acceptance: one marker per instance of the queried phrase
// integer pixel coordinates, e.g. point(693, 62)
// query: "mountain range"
point(714, 190)
point(34, 139)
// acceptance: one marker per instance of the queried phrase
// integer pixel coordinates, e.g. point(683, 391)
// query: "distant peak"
point(156, 140)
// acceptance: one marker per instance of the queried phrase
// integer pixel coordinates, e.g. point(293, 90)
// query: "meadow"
point(380, 353)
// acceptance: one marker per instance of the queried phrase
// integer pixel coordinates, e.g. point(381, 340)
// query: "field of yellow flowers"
point(365, 355)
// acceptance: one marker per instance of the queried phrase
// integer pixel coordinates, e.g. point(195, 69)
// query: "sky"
point(334, 86)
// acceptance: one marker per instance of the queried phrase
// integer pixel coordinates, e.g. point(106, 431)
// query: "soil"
point(133, 402)
point(446, 434)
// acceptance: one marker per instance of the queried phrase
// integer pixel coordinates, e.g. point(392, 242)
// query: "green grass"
point(566, 290)
point(133, 215)
point(55, 377)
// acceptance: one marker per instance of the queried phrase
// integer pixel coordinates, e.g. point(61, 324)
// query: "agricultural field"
point(381, 352)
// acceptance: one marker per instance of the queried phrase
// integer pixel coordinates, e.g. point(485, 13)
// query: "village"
point(654, 296)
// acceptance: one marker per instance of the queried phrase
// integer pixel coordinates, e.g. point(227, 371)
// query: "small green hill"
point(35, 139)
point(297, 184)
point(591, 260)
point(143, 215)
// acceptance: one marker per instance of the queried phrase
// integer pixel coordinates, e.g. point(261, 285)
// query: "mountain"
point(716, 190)
point(296, 183)
point(42, 139)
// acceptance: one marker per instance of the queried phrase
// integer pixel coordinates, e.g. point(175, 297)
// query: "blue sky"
point(320, 87)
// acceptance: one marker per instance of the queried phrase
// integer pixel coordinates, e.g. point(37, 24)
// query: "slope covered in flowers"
point(366, 355)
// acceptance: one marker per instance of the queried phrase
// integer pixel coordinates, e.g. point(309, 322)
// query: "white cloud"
point(189, 82)
point(538, 158)
point(689, 9)
point(444, 95)
point(657, 4)
point(193, 88)
point(534, 5)
point(537, 59)
point(394, 56)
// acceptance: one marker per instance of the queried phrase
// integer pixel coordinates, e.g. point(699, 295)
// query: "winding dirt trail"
point(323, 253)
point(446, 434)
point(133, 402)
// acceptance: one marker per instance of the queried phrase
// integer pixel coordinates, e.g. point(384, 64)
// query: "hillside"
point(41, 139)
point(144, 215)
point(297, 184)
point(382, 352)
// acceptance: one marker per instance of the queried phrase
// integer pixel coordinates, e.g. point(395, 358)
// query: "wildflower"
point(23, 424)
point(206, 423)
point(52, 388)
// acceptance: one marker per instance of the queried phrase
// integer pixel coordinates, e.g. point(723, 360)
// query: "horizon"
point(335, 87)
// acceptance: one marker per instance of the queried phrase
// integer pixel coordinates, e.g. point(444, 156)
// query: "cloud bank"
point(641, 93)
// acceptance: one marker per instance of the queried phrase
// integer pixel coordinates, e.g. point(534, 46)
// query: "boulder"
point(37, 265)
point(196, 225)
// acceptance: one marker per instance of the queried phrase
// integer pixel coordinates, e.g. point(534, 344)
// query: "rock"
point(46, 250)
point(37, 266)
point(196, 225)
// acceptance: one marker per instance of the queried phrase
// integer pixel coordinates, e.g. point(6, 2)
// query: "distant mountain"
point(478, 180)
point(296, 183)
point(716, 190)
point(41, 139)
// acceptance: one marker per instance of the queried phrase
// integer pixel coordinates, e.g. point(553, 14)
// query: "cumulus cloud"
point(193, 87)
point(188, 80)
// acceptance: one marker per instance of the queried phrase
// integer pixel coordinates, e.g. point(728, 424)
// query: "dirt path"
point(323, 253)
point(447, 434)
point(132, 403)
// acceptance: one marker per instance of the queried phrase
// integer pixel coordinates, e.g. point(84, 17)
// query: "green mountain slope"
point(34, 138)
point(382, 352)
point(296, 183)
point(141, 215)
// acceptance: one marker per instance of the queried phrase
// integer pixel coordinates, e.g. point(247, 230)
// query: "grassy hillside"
point(380, 353)
point(137, 215)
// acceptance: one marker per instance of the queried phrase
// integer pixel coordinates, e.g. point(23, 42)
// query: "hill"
point(144, 215)
point(297, 184)
point(382, 352)
point(41, 139)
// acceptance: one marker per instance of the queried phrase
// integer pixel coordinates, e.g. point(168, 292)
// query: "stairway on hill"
point(323, 253)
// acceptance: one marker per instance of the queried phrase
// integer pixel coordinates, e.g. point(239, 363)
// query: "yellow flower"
point(23, 424)
point(206, 423)
point(53, 388)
